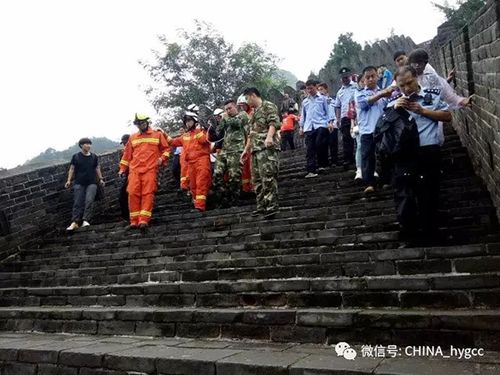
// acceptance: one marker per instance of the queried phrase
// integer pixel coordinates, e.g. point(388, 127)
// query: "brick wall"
point(475, 53)
point(36, 202)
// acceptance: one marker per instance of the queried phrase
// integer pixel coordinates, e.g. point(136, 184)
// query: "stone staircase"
point(226, 293)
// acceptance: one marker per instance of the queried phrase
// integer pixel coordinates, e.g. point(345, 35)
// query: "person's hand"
point(451, 75)
point(243, 157)
point(388, 91)
point(401, 103)
point(467, 102)
point(159, 162)
point(268, 142)
point(331, 126)
point(414, 107)
point(101, 181)
point(121, 174)
point(301, 132)
point(67, 184)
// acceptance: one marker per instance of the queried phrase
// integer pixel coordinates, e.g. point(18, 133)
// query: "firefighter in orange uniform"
point(246, 169)
point(196, 150)
point(143, 155)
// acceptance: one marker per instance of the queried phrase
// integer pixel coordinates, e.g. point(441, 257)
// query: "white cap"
point(191, 114)
point(241, 100)
point(193, 108)
point(218, 111)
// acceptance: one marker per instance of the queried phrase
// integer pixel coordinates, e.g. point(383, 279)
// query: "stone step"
point(272, 230)
point(327, 265)
point(239, 218)
point(134, 255)
point(39, 354)
point(468, 327)
point(406, 291)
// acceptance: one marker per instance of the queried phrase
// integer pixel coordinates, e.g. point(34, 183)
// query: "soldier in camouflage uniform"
point(234, 127)
point(263, 141)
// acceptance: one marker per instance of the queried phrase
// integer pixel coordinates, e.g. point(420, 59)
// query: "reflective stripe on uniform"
point(166, 153)
point(146, 140)
point(186, 138)
point(184, 178)
point(135, 214)
point(201, 197)
point(124, 162)
point(199, 135)
point(145, 213)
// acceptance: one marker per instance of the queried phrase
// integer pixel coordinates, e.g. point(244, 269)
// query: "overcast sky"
point(69, 68)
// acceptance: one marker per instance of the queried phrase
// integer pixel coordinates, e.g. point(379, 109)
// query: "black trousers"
point(317, 149)
point(368, 159)
point(123, 199)
point(176, 169)
point(416, 193)
point(287, 139)
point(347, 140)
point(333, 146)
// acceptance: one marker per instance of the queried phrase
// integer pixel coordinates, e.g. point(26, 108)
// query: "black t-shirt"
point(85, 166)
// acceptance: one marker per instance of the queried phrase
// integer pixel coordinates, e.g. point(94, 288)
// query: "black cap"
point(125, 138)
point(345, 71)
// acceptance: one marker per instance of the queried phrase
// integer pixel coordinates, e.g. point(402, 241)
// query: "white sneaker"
point(369, 190)
point(311, 175)
point(358, 176)
point(375, 174)
point(85, 224)
point(73, 226)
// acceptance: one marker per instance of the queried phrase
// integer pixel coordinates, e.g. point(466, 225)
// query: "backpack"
point(396, 135)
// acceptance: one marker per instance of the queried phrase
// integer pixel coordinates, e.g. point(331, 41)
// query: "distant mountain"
point(50, 156)
point(290, 78)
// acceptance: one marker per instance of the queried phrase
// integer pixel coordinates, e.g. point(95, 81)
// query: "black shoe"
point(257, 212)
point(270, 214)
point(131, 227)
point(143, 227)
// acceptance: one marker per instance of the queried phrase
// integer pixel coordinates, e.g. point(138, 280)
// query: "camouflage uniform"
point(228, 160)
point(265, 160)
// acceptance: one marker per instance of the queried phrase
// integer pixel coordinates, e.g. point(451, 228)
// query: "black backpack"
point(396, 135)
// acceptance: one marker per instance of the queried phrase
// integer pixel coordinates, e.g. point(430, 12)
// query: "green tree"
point(345, 52)
point(205, 69)
point(462, 13)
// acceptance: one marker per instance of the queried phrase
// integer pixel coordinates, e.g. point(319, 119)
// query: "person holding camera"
point(417, 188)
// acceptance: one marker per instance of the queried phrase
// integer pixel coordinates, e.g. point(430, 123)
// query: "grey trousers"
point(84, 202)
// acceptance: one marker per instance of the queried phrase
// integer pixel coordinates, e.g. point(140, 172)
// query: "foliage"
point(290, 78)
point(205, 69)
point(462, 13)
point(345, 52)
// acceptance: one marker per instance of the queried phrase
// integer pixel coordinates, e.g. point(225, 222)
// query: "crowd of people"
point(388, 124)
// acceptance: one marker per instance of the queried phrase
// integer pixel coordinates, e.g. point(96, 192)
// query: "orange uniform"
point(140, 158)
point(184, 171)
point(196, 151)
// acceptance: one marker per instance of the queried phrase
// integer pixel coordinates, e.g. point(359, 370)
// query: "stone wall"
point(36, 202)
point(376, 54)
point(475, 53)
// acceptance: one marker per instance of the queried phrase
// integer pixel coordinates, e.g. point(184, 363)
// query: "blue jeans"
point(358, 151)
point(84, 202)
point(368, 159)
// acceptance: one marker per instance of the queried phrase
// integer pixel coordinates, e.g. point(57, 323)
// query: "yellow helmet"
point(140, 117)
